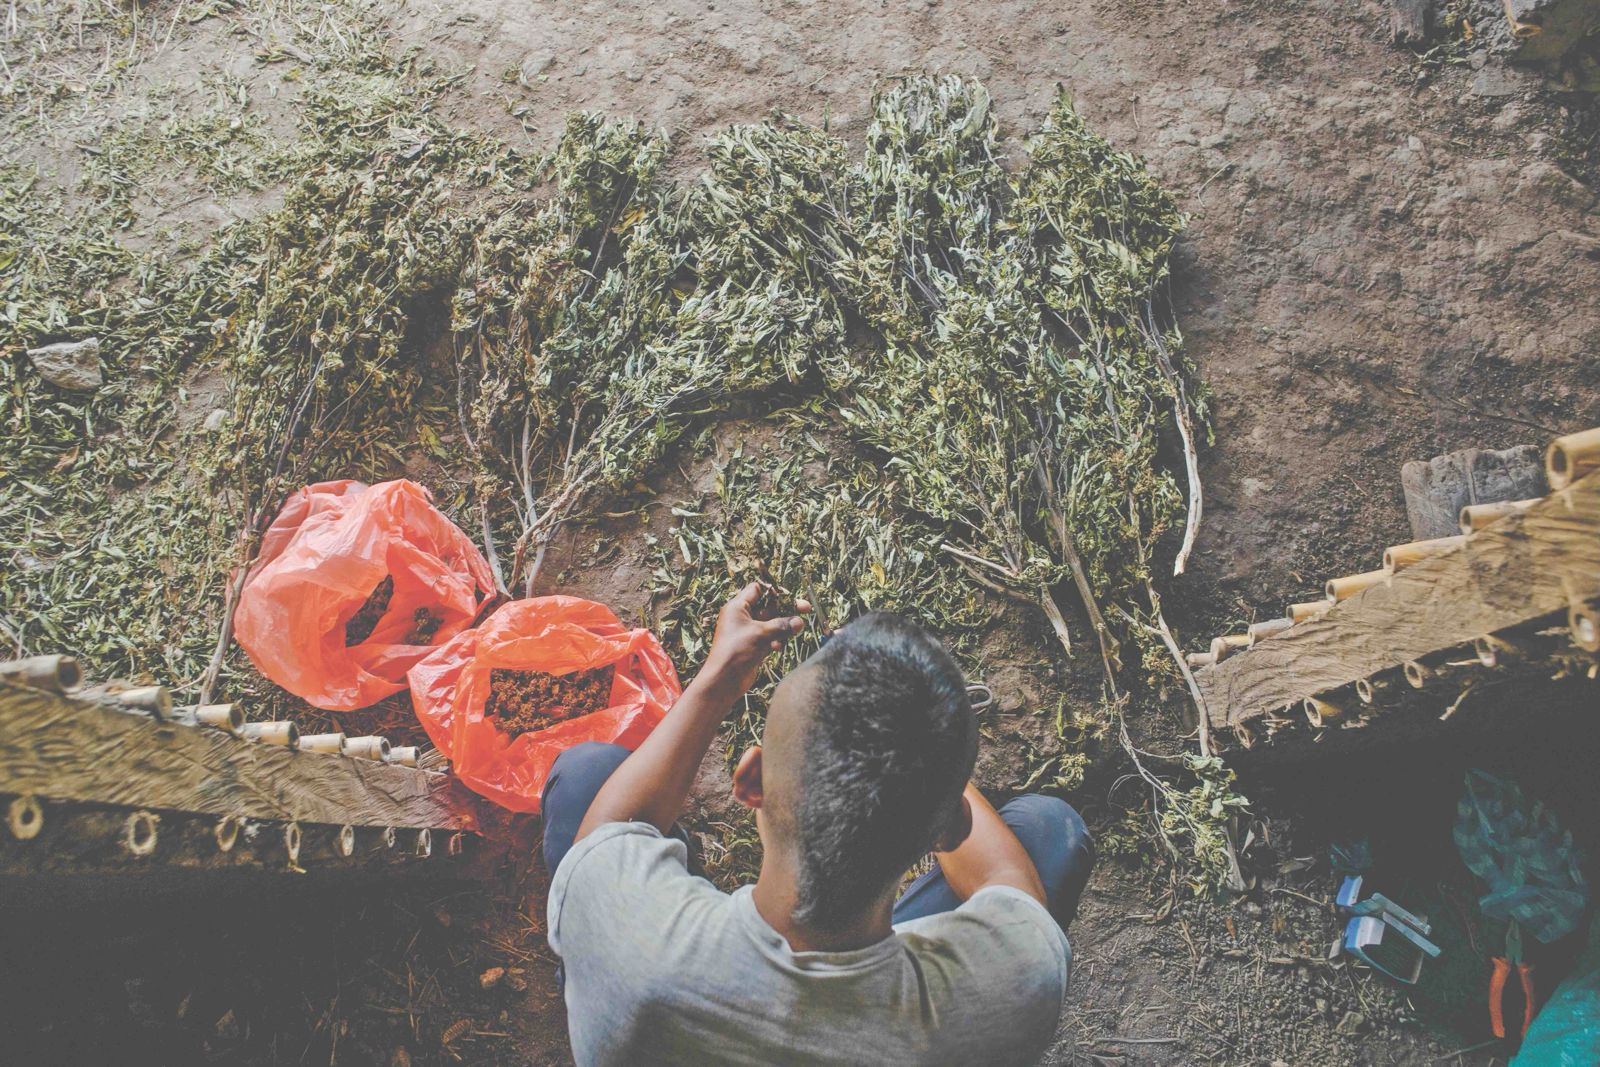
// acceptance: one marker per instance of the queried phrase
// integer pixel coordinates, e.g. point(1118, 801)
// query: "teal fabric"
point(1566, 1032)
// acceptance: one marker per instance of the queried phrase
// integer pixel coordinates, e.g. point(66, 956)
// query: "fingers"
point(782, 629)
point(803, 606)
point(747, 596)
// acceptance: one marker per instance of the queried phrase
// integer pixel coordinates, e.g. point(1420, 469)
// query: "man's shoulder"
point(999, 931)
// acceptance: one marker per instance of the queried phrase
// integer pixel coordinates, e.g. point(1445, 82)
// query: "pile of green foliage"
point(972, 388)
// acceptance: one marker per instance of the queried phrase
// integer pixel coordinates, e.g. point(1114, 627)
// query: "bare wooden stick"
point(1398, 556)
point(1344, 588)
point(1475, 517)
point(1571, 457)
point(1260, 631)
point(1315, 609)
point(55, 673)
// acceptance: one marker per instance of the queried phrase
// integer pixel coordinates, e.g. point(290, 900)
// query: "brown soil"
point(523, 701)
point(1384, 262)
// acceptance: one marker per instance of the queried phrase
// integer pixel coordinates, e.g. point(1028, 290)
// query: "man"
point(862, 770)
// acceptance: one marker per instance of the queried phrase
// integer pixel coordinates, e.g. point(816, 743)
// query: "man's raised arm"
point(652, 783)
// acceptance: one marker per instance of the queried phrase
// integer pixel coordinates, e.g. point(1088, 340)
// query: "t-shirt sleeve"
point(621, 872)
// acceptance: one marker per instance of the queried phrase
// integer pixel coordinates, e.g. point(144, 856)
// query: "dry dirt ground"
point(1382, 264)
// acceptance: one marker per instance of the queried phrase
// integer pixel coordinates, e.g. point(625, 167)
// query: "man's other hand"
point(743, 642)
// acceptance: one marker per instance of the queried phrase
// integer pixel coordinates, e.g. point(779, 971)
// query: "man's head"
point(867, 748)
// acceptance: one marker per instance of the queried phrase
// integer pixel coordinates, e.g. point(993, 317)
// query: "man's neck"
point(775, 898)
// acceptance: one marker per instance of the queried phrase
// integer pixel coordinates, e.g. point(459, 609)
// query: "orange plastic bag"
point(328, 549)
point(557, 635)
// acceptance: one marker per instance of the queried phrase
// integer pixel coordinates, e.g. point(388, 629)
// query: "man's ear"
point(957, 831)
point(747, 779)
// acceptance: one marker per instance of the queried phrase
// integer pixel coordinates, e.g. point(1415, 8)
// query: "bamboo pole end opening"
point(25, 817)
point(1584, 621)
point(1365, 692)
point(389, 838)
point(291, 842)
point(403, 756)
point(1569, 458)
point(1417, 674)
point(457, 844)
point(139, 833)
point(344, 842)
point(1487, 652)
point(227, 832)
point(424, 842)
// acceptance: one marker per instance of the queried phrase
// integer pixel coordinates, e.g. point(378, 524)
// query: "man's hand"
point(650, 785)
point(743, 642)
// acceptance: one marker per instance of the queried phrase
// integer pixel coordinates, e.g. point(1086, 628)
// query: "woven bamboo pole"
point(55, 673)
point(1344, 588)
point(1223, 647)
point(332, 744)
point(1584, 622)
point(1475, 517)
point(373, 748)
point(1398, 556)
point(1571, 457)
point(285, 734)
point(1260, 631)
point(1299, 613)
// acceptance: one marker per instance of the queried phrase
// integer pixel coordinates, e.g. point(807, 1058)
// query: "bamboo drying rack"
point(1517, 591)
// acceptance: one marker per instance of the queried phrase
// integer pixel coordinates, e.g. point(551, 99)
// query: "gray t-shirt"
point(662, 967)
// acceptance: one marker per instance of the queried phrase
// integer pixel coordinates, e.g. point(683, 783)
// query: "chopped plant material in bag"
point(364, 621)
point(525, 701)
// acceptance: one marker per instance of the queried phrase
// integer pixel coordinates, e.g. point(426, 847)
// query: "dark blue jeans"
point(1048, 827)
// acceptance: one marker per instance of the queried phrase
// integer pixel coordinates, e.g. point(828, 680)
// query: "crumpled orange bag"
point(557, 635)
point(329, 547)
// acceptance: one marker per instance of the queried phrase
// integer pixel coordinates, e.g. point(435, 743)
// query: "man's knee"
point(1054, 834)
point(582, 769)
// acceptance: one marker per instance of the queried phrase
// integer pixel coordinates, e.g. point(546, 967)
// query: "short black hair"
point(888, 749)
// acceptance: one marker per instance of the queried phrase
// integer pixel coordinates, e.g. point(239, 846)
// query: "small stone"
point(1499, 81)
point(71, 365)
point(633, 75)
point(535, 65)
point(214, 420)
point(491, 978)
point(1352, 1023)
